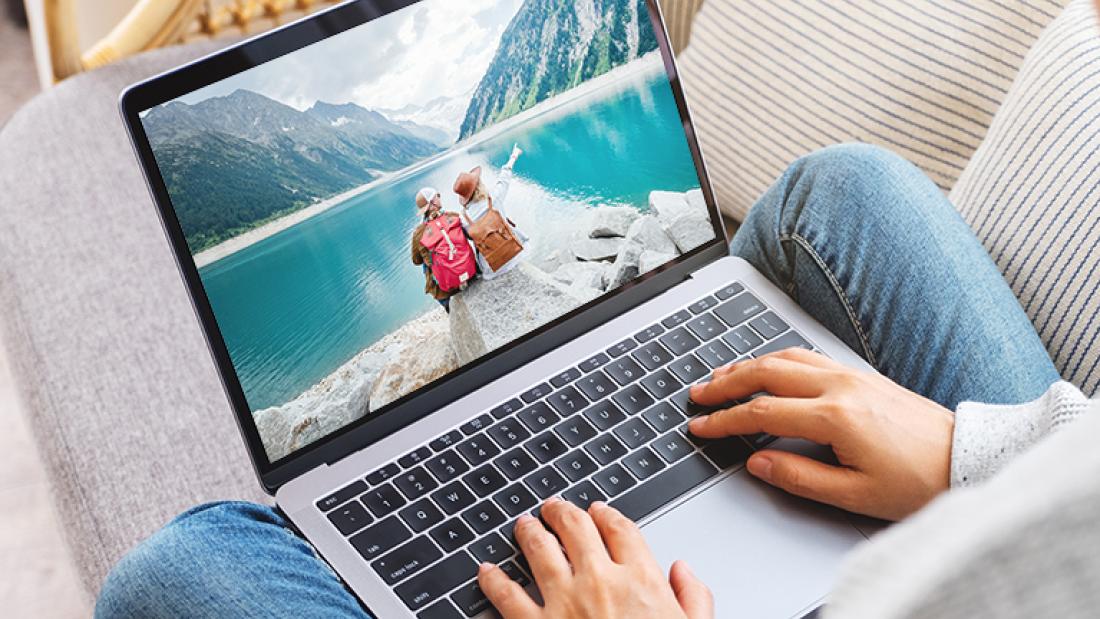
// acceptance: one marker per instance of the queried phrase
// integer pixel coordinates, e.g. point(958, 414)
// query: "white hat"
point(426, 194)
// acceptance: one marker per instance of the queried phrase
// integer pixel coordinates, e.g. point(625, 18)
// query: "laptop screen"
point(374, 212)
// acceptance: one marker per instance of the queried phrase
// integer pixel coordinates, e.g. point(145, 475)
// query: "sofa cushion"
point(771, 81)
point(1032, 191)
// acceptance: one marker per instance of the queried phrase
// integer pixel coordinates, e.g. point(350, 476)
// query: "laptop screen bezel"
point(413, 407)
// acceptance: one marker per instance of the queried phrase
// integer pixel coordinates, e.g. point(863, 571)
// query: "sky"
point(433, 48)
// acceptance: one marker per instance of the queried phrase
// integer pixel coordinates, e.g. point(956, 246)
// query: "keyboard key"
point(769, 325)
point(594, 363)
point(576, 465)
point(383, 474)
point(509, 407)
point(635, 433)
point(380, 538)
point(666, 487)
point(596, 385)
point(783, 342)
point(742, 339)
point(342, 495)
point(538, 417)
point(446, 441)
point(437, 581)
point(614, 480)
point(689, 369)
point(383, 500)
point(605, 449)
point(478, 449)
point(583, 495)
point(729, 291)
point(575, 430)
point(443, 609)
point(632, 400)
point(661, 384)
point(649, 333)
point(643, 463)
point(567, 401)
point(477, 424)
point(739, 309)
point(415, 482)
point(565, 378)
point(453, 497)
point(415, 457)
point(679, 341)
point(516, 463)
point(671, 447)
point(652, 355)
point(350, 518)
point(484, 480)
point(447, 466)
point(406, 560)
point(728, 452)
point(546, 446)
point(604, 414)
point(682, 401)
point(622, 348)
point(515, 499)
point(512, 570)
point(703, 305)
point(483, 517)
point(509, 433)
point(663, 417)
point(545, 482)
point(492, 549)
point(535, 393)
point(715, 354)
point(760, 441)
point(676, 319)
point(624, 370)
point(706, 327)
point(470, 599)
point(452, 535)
point(421, 515)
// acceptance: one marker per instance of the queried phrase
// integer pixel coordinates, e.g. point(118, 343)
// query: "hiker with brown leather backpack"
point(498, 241)
point(441, 246)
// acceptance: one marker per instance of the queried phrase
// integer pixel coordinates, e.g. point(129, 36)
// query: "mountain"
point(551, 46)
point(433, 135)
point(233, 163)
point(443, 114)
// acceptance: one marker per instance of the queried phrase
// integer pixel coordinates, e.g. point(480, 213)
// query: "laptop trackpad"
point(762, 552)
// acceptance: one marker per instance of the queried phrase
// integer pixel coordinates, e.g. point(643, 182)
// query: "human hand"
point(516, 152)
point(894, 446)
point(605, 572)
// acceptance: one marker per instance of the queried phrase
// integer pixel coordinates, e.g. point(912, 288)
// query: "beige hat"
point(424, 198)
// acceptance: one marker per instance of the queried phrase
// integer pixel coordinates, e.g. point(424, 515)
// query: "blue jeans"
point(860, 238)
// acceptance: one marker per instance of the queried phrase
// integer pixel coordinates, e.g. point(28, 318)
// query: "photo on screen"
point(374, 211)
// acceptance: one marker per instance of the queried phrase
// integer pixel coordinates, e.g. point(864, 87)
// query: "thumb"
point(806, 477)
point(694, 597)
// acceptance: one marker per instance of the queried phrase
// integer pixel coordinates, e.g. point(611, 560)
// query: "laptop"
point(403, 421)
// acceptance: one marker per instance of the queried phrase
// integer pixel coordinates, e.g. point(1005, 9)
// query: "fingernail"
point(484, 568)
point(698, 422)
point(597, 505)
point(554, 499)
point(761, 466)
point(524, 519)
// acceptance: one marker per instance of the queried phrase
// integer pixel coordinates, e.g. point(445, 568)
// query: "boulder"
point(668, 205)
point(592, 250)
point(650, 260)
point(689, 231)
point(491, 313)
point(696, 201)
point(423, 354)
point(584, 274)
point(648, 233)
point(554, 259)
point(611, 221)
point(625, 267)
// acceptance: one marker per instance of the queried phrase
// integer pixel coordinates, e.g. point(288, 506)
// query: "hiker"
point(440, 246)
point(498, 241)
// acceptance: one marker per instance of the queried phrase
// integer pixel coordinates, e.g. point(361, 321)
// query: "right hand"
point(893, 445)
point(516, 152)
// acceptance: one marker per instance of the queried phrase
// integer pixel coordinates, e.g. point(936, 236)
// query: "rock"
point(648, 233)
point(425, 355)
point(625, 267)
point(696, 201)
point(584, 274)
point(489, 314)
point(555, 259)
point(591, 250)
point(668, 205)
point(689, 231)
point(650, 260)
point(612, 221)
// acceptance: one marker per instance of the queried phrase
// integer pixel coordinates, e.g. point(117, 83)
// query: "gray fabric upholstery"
point(113, 372)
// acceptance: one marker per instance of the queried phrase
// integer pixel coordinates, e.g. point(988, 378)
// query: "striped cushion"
point(771, 80)
point(1032, 191)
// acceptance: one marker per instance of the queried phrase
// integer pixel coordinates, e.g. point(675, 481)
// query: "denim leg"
point(871, 248)
point(225, 560)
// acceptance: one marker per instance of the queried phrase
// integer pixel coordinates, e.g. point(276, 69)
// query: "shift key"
point(407, 560)
point(436, 582)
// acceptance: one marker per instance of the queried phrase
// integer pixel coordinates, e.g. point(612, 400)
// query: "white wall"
point(95, 18)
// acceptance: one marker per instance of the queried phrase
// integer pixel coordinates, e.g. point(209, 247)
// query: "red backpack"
point(452, 257)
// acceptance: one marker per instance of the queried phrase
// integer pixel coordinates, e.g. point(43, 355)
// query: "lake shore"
point(231, 246)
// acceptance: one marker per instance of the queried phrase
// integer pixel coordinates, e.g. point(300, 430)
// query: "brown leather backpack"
point(493, 237)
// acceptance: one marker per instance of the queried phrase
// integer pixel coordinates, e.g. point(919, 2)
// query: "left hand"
point(605, 572)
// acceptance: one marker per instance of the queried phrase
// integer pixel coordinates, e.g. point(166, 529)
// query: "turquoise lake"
point(296, 306)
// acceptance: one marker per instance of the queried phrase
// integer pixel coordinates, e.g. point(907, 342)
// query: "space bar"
point(662, 489)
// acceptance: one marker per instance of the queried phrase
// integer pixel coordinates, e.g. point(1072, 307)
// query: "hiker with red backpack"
point(440, 245)
point(498, 241)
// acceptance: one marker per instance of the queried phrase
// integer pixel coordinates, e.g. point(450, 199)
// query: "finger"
point(806, 418)
point(771, 374)
point(622, 537)
point(543, 552)
point(695, 597)
point(808, 357)
point(505, 594)
point(808, 478)
point(577, 532)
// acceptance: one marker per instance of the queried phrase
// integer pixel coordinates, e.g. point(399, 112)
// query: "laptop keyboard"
point(612, 428)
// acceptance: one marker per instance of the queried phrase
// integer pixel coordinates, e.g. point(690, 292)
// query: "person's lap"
point(860, 238)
